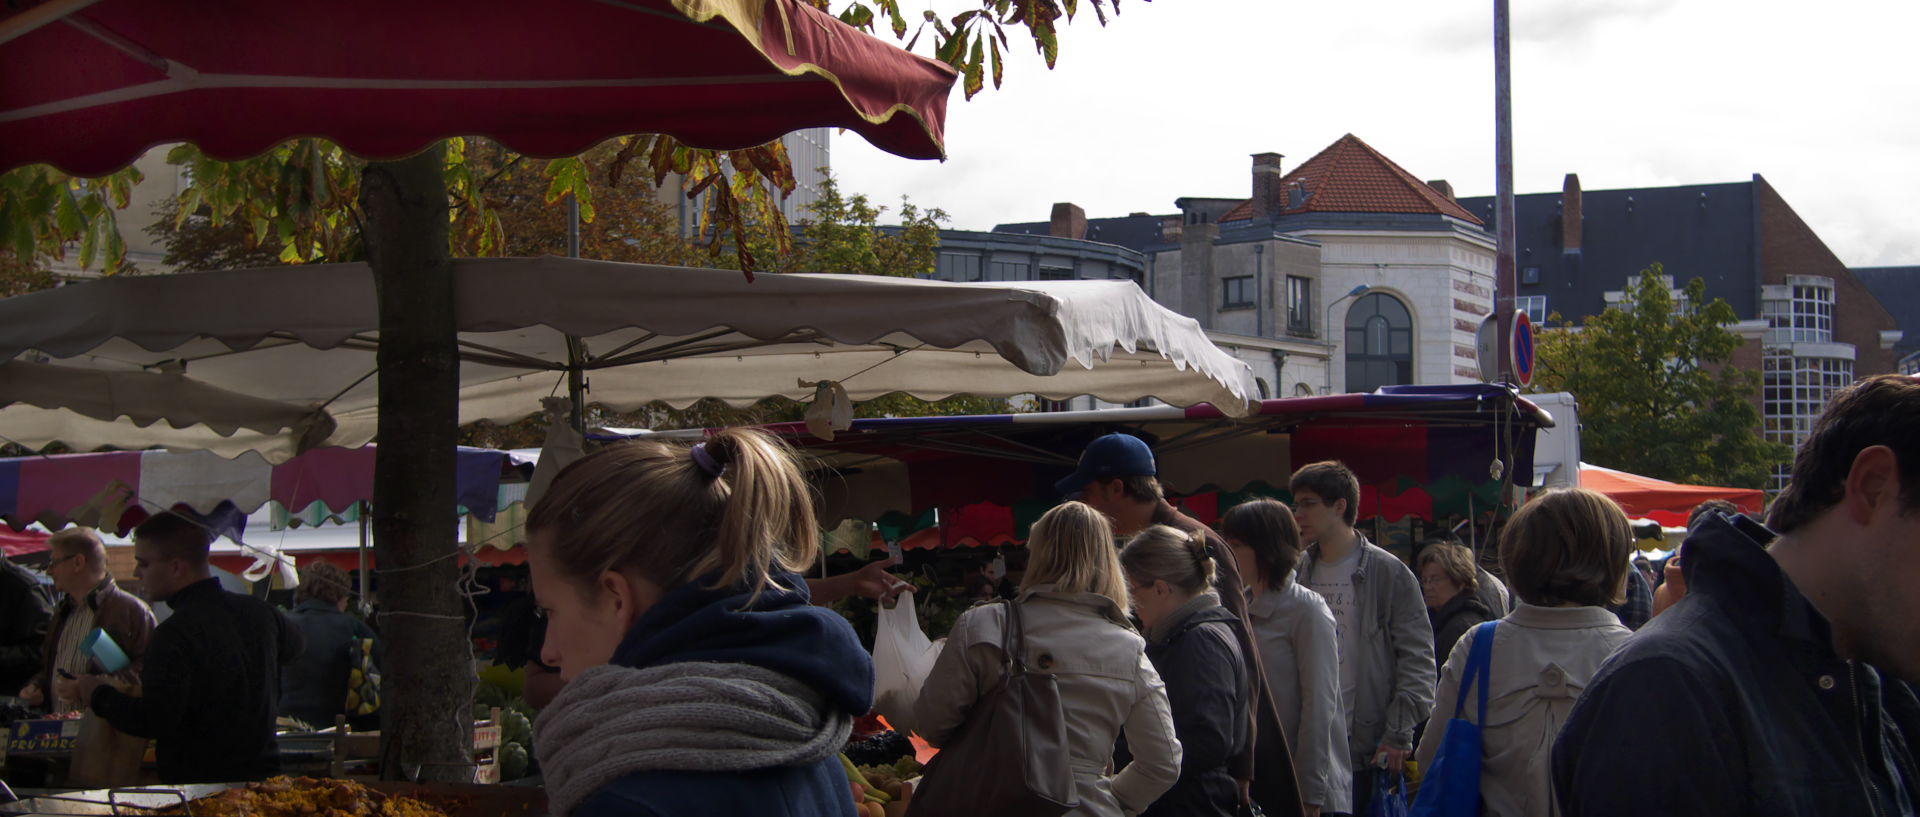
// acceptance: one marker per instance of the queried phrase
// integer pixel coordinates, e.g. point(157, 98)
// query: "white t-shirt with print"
point(1334, 582)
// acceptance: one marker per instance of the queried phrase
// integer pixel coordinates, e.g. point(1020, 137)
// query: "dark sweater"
point(1463, 612)
point(210, 685)
point(314, 687)
point(25, 610)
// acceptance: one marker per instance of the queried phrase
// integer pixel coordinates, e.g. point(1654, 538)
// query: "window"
point(1379, 343)
point(1530, 275)
point(1238, 292)
point(1794, 390)
point(1299, 305)
point(1009, 271)
point(1535, 306)
point(1799, 312)
point(956, 266)
point(1056, 273)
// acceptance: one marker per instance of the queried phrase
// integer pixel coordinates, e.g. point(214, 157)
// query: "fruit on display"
point(880, 749)
point(515, 728)
point(513, 761)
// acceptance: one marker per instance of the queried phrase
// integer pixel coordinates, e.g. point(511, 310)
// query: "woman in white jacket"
point(1073, 604)
point(1295, 632)
point(1565, 556)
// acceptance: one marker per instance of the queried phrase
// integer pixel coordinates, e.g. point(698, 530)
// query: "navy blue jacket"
point(1737, 694)
point(779, 631)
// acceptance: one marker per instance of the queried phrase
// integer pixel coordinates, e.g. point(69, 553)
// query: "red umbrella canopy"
point(91, 84)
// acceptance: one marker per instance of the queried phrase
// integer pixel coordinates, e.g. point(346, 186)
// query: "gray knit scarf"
point(614, 721)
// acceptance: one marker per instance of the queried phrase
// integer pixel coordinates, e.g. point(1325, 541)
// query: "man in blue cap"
point(1117, 477)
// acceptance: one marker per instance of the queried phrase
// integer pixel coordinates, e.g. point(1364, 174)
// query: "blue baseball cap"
point(1109, 457)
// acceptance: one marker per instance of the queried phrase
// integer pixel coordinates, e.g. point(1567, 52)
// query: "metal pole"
point(365, 577)
point(576, 351)
point(1503, 274)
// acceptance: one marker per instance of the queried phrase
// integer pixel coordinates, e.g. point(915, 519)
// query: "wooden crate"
point(352, 750)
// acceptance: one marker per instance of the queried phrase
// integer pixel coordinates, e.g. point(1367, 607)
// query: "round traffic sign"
point(1522, 346)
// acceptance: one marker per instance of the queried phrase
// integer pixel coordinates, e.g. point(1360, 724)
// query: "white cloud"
point(1171, 98)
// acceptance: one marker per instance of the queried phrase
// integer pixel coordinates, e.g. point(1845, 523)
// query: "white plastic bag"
point(902, 660)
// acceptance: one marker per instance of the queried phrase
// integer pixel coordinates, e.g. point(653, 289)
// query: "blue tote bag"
point(1452, 786)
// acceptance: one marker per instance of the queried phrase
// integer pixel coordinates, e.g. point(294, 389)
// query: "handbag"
point(1452, 787)
point(1009, 758)
point(363, 679)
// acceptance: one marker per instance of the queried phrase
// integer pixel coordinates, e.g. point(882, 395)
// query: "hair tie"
point(707, 463)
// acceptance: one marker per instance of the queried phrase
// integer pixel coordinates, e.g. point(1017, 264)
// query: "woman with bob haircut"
point(1450, 585)
point(699, 679)
point(1294, 629)
point(1073, 603)
point(1194, 643)
point(1565, 555)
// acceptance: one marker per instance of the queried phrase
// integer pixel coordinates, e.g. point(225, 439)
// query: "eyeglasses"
point(1430, 581)
point(1307, 503)
point(67, 558)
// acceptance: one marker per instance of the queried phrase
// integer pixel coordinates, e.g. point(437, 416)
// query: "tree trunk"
point(427, 683)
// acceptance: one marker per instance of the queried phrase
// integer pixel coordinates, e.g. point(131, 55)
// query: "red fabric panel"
point(1377, 452)
point(63, 484)
point(403, 74)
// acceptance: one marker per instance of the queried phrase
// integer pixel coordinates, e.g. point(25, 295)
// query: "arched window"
point(1379, 343)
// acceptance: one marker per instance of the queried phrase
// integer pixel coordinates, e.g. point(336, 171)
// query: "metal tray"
point(459, 800)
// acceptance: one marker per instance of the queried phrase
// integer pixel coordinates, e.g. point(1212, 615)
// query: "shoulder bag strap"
point(1013, 638)
point(1479, 663)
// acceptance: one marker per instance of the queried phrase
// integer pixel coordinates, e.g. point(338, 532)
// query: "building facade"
point(1812, 325)
point(1347, 259)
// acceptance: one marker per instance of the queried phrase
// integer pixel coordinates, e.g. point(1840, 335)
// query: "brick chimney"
point(1443, 187)
point(1268, 198)
point(1069, 221)
point(1570, 209)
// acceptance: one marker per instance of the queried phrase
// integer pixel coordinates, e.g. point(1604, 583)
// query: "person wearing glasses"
point(1385, 641)
point(1451, 587)
point(79, 569)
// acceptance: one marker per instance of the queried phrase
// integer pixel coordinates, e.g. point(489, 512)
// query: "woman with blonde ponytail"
point(1193, 643)
point(1072, 605)
point(699, 679)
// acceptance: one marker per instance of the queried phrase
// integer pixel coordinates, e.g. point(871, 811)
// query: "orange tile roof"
point(1351, 177)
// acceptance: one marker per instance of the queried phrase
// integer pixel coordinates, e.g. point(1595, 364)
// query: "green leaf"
point(858, 16)
point(975, 64)
point(1049, 42)
point(899, 21)
point(67, 217)
point(996, 63)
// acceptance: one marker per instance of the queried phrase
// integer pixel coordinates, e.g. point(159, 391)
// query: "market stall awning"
point(306, 337)
point(21, 543)
point(1423, 452)
point(1665, 502)
point(117, 490)
point(112, 78)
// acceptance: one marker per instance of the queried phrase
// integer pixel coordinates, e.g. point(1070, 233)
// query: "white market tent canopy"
point(281, 360)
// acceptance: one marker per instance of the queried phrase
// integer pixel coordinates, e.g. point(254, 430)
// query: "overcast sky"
point(1823, 99)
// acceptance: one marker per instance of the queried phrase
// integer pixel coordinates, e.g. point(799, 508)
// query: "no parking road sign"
point(1522, 346)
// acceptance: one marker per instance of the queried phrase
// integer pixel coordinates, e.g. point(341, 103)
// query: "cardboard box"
point(44, 736)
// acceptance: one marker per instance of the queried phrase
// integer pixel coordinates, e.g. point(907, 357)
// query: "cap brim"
point(1074, 483)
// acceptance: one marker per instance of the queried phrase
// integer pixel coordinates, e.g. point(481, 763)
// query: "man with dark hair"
point(212, 671)
point(1772, 682)
point(1387, 671)
point(1117, 477)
